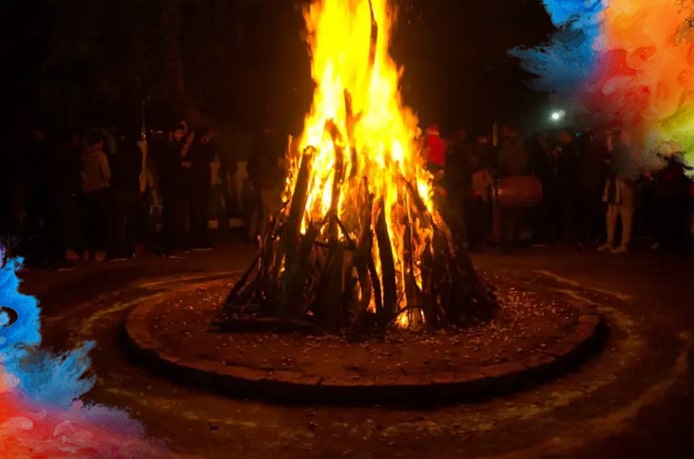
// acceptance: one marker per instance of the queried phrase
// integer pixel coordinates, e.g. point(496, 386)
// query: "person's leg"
point(199, 218)
point(194, 215)
point(596, 219)
point(584, 218)
point(569, 217)
point(184, 219)
point(518, 225)
point(71, 221)
point(554, 217)
point(473, 222)
point(81, 209)
point(457, 210)
point(92, 224)
point(204, 206)
point(112, 222)
point(686, 226)
point(256, 217)
point(626, 214)
point(678, 219)
point(169, 236)
point(240, 177)
point(134, 228)
point(68, 225)
point(53, 233)
point(509, 223)
point(116, 221)
point(610, 226)
point(148, 217)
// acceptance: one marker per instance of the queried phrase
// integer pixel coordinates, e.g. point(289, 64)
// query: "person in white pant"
point(619, 194)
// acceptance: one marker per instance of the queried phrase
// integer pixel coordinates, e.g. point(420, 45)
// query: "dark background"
point(76, 63)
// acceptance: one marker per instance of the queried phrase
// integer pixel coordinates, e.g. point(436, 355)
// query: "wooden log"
point(338, 175)
point(292, 298)
point(242, 283)
point(365, 288)
point(376, 285)
point(361, 264)
point(441, 277)
point(428, 295)
point(328, 303)
point(414, 195)
point(365, 245)
point(297, 206)
point(351, 245)
point(411, 289)
point(387, 264)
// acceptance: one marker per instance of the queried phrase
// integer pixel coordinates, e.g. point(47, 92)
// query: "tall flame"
point(357, 108)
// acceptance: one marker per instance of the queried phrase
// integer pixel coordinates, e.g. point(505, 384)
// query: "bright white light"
point(557, 115)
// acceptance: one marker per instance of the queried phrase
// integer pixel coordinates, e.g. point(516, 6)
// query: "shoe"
point(605, 248)
point(175, 255)
point(202, 249)
point(621, 249)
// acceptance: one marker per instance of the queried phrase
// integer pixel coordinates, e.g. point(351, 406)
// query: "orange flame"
point(357, 96)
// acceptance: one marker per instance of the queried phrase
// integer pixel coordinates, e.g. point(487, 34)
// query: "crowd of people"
point(588, 185)
point(107, 195)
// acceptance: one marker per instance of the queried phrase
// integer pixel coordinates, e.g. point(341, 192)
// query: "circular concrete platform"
point(534, 339)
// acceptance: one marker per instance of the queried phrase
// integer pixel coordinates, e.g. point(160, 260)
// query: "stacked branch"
point(339, 270)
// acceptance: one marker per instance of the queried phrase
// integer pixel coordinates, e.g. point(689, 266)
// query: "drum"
point(520, 191)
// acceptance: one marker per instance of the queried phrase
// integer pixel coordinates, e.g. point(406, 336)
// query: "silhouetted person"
point(568, 164)
point(590, 172)
point(12, 186)
point(266, 173)
point(457, 181)
point(63, 220)
point(168, 154)
point(126, 166)
point(96, 183)
point(620, 193)
point(37, 170)
point(671, 206)
point(201, 156)
point(512, 162)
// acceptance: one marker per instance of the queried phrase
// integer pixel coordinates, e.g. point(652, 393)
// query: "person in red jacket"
point(435, 149)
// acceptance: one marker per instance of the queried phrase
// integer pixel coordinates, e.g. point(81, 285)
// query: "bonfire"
point(358, 242)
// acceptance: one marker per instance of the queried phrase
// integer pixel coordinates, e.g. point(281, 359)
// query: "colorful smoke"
point(629, 64)
point(41, 415)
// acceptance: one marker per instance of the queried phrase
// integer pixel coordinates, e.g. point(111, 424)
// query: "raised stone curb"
point(470, 384)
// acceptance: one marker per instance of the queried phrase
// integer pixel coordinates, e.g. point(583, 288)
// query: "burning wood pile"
point(358, 242)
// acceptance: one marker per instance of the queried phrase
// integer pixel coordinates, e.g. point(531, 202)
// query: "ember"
point(359, 241)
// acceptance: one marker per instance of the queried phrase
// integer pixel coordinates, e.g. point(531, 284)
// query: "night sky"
point(74, 60)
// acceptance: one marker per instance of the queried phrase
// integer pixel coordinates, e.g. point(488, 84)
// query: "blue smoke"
point(44, 378)
point(16, 337)
point(568, 60)
point(56, 381)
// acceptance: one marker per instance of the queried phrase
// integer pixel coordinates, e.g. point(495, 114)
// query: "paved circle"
point(404, 382)
point(645, 366)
